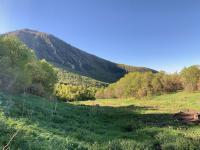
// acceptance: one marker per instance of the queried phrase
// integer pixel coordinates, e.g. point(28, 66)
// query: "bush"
point(74, 93)
point(142, 93)
point(42, 73)
point(100, 93)
point(13, 59)
point(21, 71)
point(190, 77)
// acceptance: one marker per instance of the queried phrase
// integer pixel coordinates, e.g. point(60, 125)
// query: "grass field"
point(113, 124)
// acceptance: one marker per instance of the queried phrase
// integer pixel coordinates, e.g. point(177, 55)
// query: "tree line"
point(147, 84)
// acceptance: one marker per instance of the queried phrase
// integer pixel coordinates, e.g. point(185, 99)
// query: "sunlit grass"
point(169, 103)
point(113, 124)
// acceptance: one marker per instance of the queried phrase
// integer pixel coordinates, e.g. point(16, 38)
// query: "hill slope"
point(61, 54)
point(69, 78)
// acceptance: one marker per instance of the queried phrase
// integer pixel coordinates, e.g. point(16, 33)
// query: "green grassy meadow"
point(107, 124)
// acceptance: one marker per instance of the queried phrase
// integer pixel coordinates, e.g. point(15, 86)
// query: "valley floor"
point(115, 124)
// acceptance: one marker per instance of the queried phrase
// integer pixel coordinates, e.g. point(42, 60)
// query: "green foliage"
point(70, 78)
point(141, 85)
point(50, 76)
point(74, 93)
point(147, 84)
point(74, 87)
point(42, 74)
point(191, 76)
point(171, 83)
point(13, 59)
point(18, 53)
point(20, 69)
point(125, 124)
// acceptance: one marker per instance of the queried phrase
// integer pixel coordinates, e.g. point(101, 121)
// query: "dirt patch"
point(188, 116)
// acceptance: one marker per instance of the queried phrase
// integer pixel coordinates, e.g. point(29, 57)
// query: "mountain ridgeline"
point(72, 59)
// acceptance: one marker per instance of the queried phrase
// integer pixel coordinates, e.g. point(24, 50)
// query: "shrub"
point(190, 78)
point(142, 92)
point(21, 70)
point(74, 93)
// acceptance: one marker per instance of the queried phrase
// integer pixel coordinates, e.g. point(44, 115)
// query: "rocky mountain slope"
point(70, 58)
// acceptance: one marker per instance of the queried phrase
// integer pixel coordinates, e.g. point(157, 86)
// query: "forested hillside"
point(69, 78)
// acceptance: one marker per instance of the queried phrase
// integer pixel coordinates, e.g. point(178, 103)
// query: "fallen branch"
point(14, 135)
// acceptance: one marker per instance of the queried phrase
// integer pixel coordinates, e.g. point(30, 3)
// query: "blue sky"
point(160, 34)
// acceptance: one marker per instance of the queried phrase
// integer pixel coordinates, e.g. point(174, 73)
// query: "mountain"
point(70, 58)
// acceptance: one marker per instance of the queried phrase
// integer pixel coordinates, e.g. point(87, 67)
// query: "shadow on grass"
point(92, 124)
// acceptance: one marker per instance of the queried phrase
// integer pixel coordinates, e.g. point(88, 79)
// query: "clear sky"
point(160, 34)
